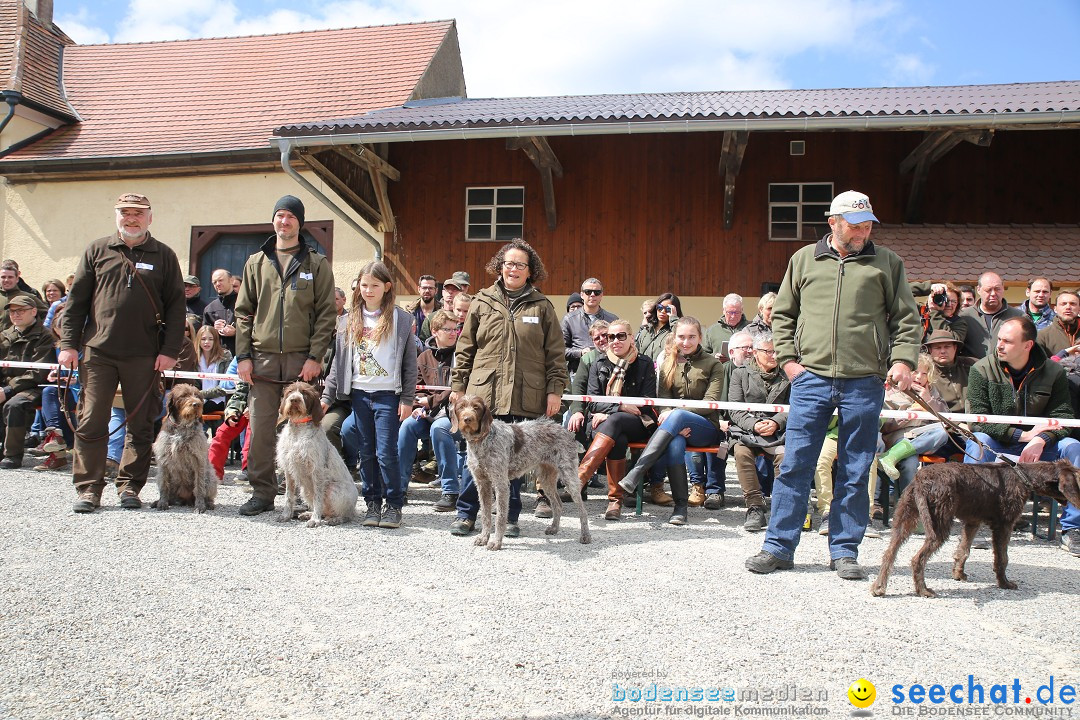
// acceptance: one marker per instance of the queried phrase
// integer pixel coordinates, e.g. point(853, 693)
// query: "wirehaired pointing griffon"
point(991, 493)
point(307, 458)
point(500, 451)
point(184, 473)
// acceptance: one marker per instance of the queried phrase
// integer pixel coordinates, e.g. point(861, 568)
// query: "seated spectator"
point(196, 306)
point(621, 371)
point(424, 305)
point(984, 319)
point(658, 325)
point(12, 286)
point(1037, 306)
point(686, 372)
point(462, 303)
point(646, 308)
point(575, 325)
point(433, 367)
point(573, 302)
point(911, 438)
point(26, 340)
point(54, 293)
point(233, 424)
point(1062, 336)
point(762, 322)
point(941, 311)
point(757, 433)
point(456, 283)
point(1020, 380)
point(213, 358)
point(58, 419)
point(579, 385)
point(220, 313)
point(967, 297)
point(732, 321)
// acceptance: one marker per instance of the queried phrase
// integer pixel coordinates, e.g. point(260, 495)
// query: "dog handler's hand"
point(554, 402)
point(243, 369)
point(899, 376)
point(311, 370)
point(68, 358)
point(1033, 450)
point(793, 369)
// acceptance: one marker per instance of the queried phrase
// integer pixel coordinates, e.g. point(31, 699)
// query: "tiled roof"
point(227, 94)
point(959, 252)
point(910, 101)
point(34, 67)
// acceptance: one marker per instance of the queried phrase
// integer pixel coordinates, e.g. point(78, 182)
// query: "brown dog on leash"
point(991, 493)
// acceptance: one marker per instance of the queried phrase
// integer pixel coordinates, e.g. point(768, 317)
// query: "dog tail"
point(902, 526)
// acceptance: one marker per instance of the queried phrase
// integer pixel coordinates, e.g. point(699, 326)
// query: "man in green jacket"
point(27, 340)
point(1021, 380)
point(844, 322)
point(285, 316)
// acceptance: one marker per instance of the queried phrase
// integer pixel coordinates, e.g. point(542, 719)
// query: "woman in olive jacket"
point(621, 371)
point(687, 372)
point(510, 353)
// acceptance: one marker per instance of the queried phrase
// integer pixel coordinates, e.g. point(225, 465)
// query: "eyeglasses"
point(744, 348)
point(599, 338)
point(620, 336)
point(511, 265)
point(449, 329)
point(668, 309)
point(770, 353)
point(592, 292)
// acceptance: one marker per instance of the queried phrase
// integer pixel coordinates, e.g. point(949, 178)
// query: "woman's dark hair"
point(664, 296)
point(537, 273)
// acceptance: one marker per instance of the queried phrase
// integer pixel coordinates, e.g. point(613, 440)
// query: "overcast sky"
point(574, 47)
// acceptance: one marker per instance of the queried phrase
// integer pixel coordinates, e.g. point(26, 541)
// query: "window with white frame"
point(494, 213)
point(799, 211)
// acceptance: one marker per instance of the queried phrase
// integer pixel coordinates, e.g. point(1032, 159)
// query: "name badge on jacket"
point(531, 320)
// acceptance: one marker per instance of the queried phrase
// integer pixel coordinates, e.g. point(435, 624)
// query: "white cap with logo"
point(854, 206)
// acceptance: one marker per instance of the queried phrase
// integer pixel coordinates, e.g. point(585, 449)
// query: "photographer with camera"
point(941, 311)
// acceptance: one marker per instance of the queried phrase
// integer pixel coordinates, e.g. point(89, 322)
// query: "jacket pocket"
point(533, 397)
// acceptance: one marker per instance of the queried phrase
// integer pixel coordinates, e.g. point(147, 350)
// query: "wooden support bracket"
point(935, 145)
point(350, 196)
point(543, 158)
point(731, 157)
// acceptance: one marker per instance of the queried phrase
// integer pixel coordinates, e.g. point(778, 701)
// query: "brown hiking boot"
point(697, 495)
point(88, 502)
point(657, 496)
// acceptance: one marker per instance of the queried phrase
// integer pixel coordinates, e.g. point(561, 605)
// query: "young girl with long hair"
point(213, 358)
point(375, 368)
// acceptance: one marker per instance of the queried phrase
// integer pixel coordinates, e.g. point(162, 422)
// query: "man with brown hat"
point(285, 316)
point(27, 340)
point(125, 312)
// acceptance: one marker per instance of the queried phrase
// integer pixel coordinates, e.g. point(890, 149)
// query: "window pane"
point(814, 231)
point(818, 193)
point(476, 215)
point(481, 196)
point(509, 215)
point(815, 213)
point(785, 213)
point(784, 231)
point(783, 193)
point(507, 232)
point(479, 232)
point(511, 196)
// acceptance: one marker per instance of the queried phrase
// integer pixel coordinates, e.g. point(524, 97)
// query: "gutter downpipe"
point(286, 150)
point(12, 98)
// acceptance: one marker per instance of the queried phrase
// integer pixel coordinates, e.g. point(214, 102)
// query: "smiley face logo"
point(862, 693)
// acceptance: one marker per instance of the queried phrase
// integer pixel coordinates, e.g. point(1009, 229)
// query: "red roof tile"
point(32, 67)
point(225, 94)
point(963, 252)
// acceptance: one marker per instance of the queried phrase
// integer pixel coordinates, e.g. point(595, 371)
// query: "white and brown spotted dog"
point(307, 459)
point(500, 451)
point(184, 473)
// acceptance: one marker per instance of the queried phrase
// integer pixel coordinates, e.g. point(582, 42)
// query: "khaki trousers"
point(746, 470)
point(823, 475)
point(100, 373)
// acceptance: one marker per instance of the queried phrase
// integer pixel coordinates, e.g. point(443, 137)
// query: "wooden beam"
point(341, 188)
point(543, 159)
point(934, 146)
point(378, 181)
point(731, 157)
point(368, 158)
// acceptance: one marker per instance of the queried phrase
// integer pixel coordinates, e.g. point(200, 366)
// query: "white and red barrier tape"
point(663, 402)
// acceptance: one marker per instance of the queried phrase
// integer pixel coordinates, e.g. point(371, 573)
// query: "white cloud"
point(576, 46)
point(80, 28)
point(909, 69)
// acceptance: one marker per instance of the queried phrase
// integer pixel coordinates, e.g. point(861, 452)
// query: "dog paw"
point(284, 517)
point(314, 523)
point(961, 576)
point(160, 505)
point(550, 530)
point(585, 538)
point(1007, 585)
point(304, 516)
point(877, 591)
point(494, 544)
point(482, 540)
point(200, 507)
point(927, 592)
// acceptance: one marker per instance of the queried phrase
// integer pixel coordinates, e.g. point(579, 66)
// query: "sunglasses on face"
point(668, 309)
point(620, 336)
point(592, 292)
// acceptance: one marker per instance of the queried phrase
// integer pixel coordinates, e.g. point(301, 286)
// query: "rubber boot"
point(596, 454)
point(680, 493)
point(888, 460)
point(653, 451)
point(616, 469)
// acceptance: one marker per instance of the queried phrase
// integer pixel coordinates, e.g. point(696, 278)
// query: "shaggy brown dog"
point(500, 451)
point(184, 473)
point(991, 493)
point(310, 462)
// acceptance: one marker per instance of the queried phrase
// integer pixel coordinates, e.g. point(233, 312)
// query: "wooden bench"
point(636, 447)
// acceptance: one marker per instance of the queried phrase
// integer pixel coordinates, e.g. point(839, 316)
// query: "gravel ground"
point(125, 614)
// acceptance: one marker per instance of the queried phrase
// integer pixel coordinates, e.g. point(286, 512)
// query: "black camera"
point(940, 299)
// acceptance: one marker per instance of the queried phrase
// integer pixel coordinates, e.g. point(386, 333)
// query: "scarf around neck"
point(618, 375)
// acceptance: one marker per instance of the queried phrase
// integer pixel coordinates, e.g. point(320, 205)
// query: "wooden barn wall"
point(645, 213)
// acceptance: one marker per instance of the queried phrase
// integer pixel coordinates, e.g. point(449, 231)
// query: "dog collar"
point(302, 420)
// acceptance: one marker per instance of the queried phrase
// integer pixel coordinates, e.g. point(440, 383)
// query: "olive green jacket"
point(1043, 393)
point(701, 378)
point(511, 355)
point(846, 318)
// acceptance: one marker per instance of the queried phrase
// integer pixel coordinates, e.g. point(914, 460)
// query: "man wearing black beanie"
point(278, 341)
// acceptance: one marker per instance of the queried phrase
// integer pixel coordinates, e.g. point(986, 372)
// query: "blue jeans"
point(53, 416)
point(702, 433)
point(925, 443)
point(116, 438)
point(376, 415)
point(350, 442)
point(445, 446)
point(813, 399)
point(1068, 448)
point(412, 431)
